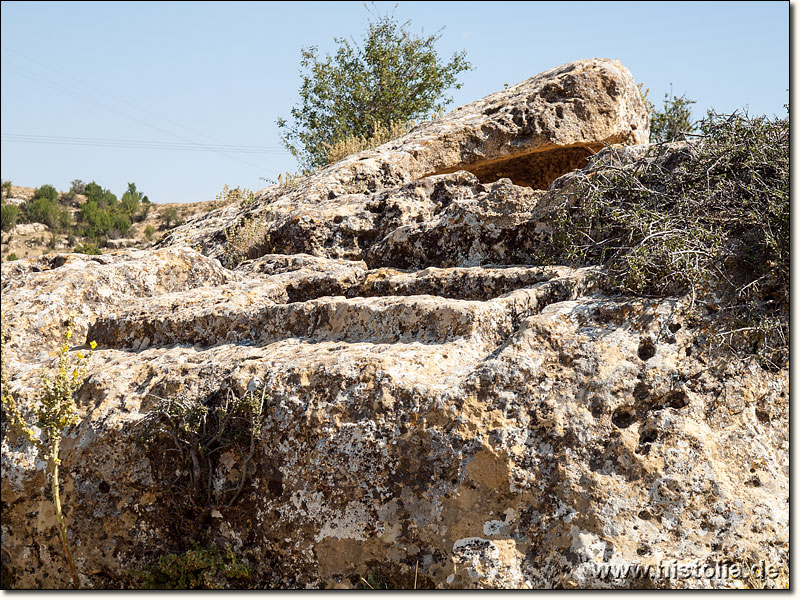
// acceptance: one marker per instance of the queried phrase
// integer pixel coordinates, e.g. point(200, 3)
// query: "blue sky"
point(175, 75)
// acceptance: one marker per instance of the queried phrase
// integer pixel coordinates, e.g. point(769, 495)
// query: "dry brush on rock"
point(445, 398)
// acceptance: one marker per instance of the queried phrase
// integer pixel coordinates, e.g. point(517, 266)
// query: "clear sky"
point(172, 76)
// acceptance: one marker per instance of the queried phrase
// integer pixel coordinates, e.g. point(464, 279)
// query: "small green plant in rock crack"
point(197, 433)
point(199, 568)
point(241, 237)
point(376, 579)
point(238, 195)
point(54, 413)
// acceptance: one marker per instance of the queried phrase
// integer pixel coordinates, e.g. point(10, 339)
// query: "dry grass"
point(356, 143)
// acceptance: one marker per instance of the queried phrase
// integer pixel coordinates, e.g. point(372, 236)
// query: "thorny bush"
point(708, 218)
point(197, 433)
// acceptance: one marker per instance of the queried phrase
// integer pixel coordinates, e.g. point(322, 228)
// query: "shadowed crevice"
point(536, 169)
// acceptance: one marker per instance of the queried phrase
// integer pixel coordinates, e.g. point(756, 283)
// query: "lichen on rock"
point(439, 406)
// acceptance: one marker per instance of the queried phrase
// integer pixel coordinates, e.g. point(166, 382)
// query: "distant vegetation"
point(85, 217)
point(101, 215)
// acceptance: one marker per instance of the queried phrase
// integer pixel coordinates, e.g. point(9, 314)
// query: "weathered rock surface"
point(530, 133)
point(437, 407)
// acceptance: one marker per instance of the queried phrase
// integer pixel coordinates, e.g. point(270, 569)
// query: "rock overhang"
point(437, 404)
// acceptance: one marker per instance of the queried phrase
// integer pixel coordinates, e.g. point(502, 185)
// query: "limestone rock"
point(435, 406)
point(29, 228)
point(121, 243)
point(530, 133)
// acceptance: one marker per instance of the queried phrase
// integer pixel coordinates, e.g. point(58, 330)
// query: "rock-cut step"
point(176, 319)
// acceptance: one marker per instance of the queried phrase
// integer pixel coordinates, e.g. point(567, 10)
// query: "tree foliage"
point(674, 120)
point(46, 192)
point(392, 76)
point(77, 186)
point(170, 217)
point(100, 217)
point(134, 203)
point(10, 213)
point(43, 207)
point(103, 215)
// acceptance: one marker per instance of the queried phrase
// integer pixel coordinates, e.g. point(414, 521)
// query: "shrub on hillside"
point(711, 221)
point(102, 215)
point(103, 197)
point(170, 217)
point(87, 248)
point(96, 221)
point(10, 214)
point(133, 203)
point(48, 192)
point(44, 208)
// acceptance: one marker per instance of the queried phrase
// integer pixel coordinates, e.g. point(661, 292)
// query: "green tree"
point(43, 207)
point(104, 198)
point(122, 223)
point(392, 76)
point(6, 186)
point(10, 212)
point(97, 221)
point(48, 192)
point(673, 121)
point(65, 222)
point(103, 215)
point(131, 200)
point(170, 217)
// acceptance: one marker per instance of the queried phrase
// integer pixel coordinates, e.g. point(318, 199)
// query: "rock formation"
point(437, 407)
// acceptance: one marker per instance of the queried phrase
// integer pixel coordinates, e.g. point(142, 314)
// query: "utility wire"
point(142, 144)
point(85, 84)
point(47, 82)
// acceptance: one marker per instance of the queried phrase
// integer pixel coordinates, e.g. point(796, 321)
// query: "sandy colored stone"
point(530, 134)
point(436, 405)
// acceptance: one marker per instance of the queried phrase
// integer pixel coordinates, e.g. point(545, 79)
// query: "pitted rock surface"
point(437, 406)
point(529, 134)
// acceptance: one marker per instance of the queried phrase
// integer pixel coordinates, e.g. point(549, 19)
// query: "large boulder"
point(424, 404)
point(530, 133)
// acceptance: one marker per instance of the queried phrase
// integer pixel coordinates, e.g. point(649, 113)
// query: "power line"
point(139, 144)
point(107, 93)
point(47, 82)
